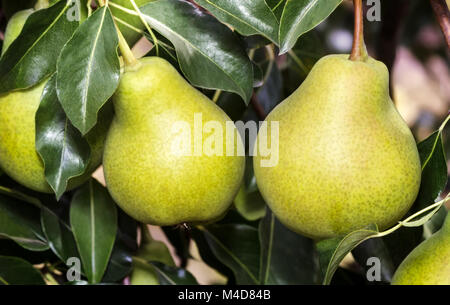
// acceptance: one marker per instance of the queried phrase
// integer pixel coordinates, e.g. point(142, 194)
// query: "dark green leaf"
point(59, 234)
point(332, 251)
point(19, 221)
point(287, 258)
point(93, 216)
point(236, 246)
point(16, 271)
point(247, 17)
point(63, 150)
point(32, 56)
point(173, 275)
point(434, 170)
point(250, 205)
point(210, 55)
point(300, 17)
point(120, 264)
point(88, 70)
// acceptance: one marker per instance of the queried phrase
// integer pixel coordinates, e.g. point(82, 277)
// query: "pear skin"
point(429, 263)
point(18, 156)
point(346, 157)
point(144, 170)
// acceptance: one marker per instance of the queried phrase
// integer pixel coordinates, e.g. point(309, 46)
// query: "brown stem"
point(442, 13)
point(258, 107)
point(359, 51)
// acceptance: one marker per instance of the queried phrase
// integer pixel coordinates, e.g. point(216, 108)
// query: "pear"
point(429, 263)
point(145, 172)
point(18, 156)
point(14, 27)
point(346, 157)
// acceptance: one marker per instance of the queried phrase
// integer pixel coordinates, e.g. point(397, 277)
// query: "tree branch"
point(443, 16)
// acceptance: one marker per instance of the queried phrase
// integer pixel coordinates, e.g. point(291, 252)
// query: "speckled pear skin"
point(429, 263)
point(15, 25)
point(346, 157)
point(143, 171)
point(18, 156)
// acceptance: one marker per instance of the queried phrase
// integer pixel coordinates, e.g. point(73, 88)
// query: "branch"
point(258, 107)
point(443, 16)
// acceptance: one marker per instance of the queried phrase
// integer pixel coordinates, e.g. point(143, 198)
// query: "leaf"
point(32, 56)
point(287, 258)
point(19, 221)
point(120, 264)
point(236, 246)
point(63, 150)
point(173, 275)
point(88, 70)
point(59, 235)
point(332, 251)
point(16, 271)
point(301, 16)
point(250, 205)
point(434, 170)
point(93, 216)
point(249, 17)
point(210, 55)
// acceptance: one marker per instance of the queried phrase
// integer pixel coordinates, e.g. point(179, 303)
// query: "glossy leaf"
point(434, 170)
point(59, 235)
point(173, 275)
point(250, 205)
point(301, 16)
point(19, 221)
point(248, 17)
point(332, 251)
point(93, 217)
point(63, 150)
point(287, 258)
point(88, 70)
point(210, 55)
point(120, 264)
point(32, 56)
point(16, 271)
point(236, 246)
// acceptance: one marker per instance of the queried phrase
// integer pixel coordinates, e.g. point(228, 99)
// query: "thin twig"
point(442, 13)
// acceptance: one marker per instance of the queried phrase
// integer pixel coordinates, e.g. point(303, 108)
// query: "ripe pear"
point(346, 157)
point(429, 263)
point(145, 172)
point(130, 35)
point(14, 27)
point(18, 156)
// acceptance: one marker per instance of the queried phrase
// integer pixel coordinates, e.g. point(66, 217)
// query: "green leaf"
point(434, 170)
point(88, 70)
point(93, 216)
point(19, 221)
point(210, 55)
point(16, 271)
point(301, 16)
point(332, 251)
point(59, 234)
point(250, 205)
point(173, 275)
point(247, 17)
point(32, 56)
point(287, 258)
point(236, 246)
point(63, 150)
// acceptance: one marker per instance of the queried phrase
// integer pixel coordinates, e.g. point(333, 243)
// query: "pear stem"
point(359, 50)
point(128, 56)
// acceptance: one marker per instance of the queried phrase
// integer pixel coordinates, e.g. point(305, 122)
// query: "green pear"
point(429, 263)
point(14, 27)
point(130, 35)
point(346, 157)
point(144, 170)
point(18, 156)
